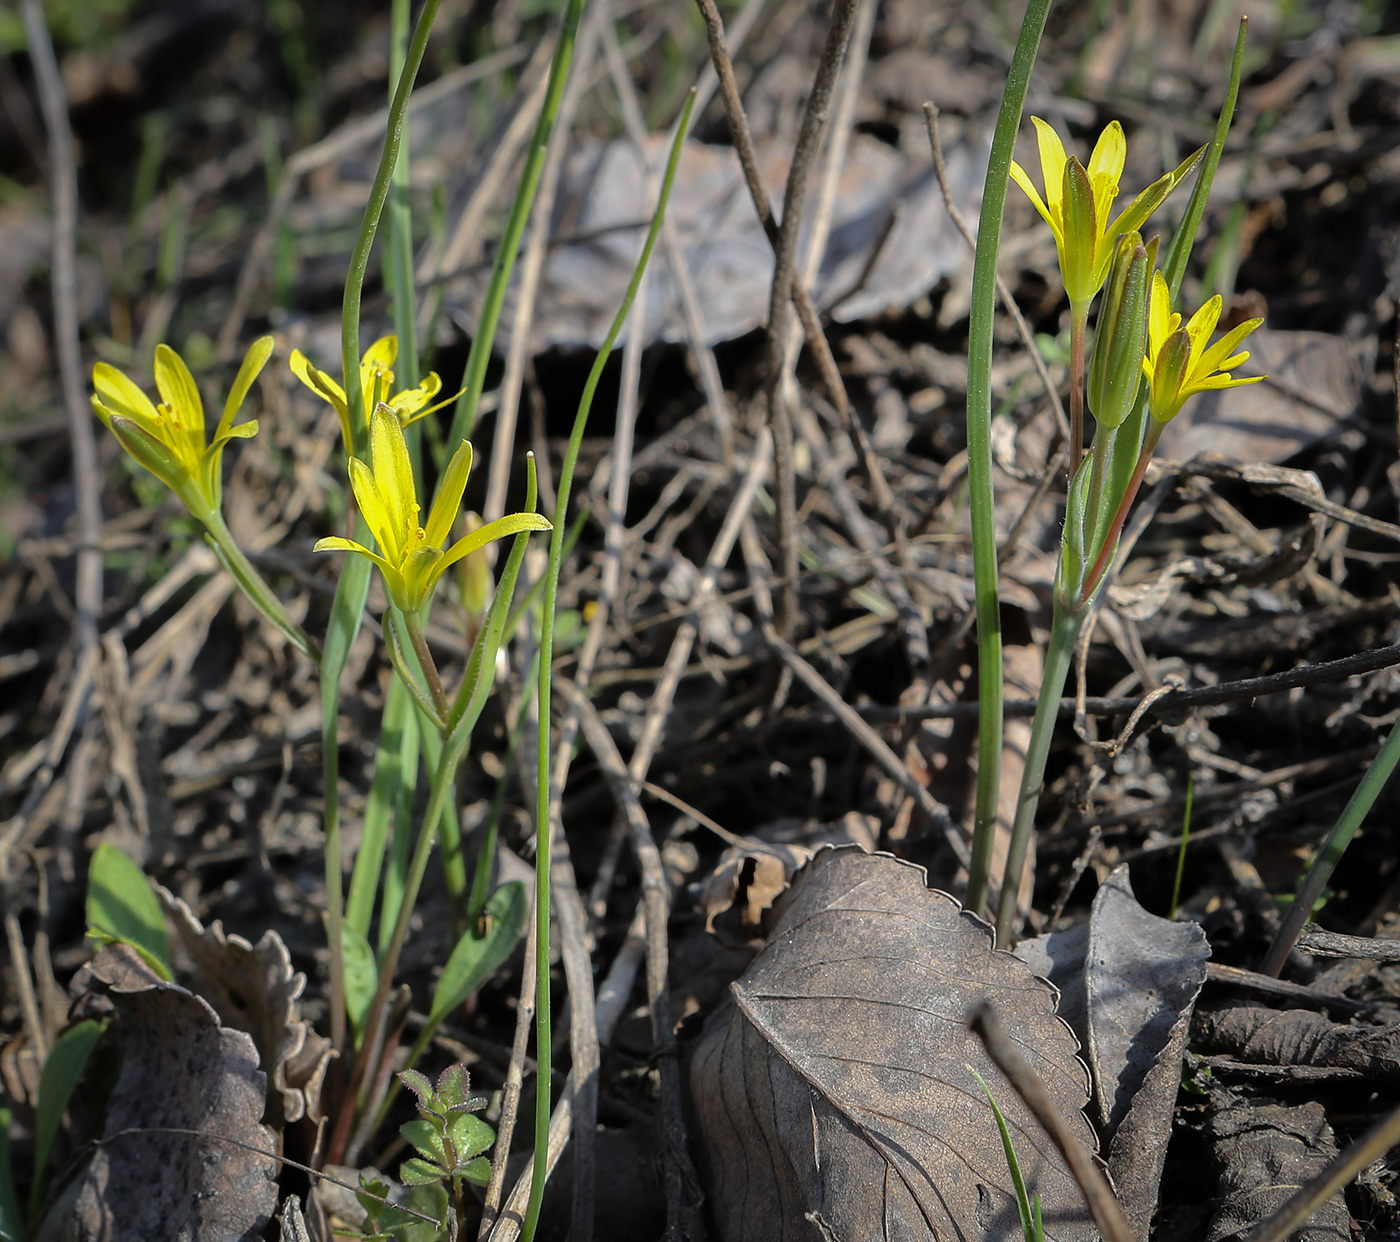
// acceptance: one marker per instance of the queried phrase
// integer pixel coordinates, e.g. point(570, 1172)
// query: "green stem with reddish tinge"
point(1078, 329)
point(1110, 540)
point(413, 623)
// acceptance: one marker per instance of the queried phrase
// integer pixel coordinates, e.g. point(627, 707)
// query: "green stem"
point(364, 242)
point(1110, 539)
point(543, 851)
point(1078, 330)
point(464, 417)
point(979, 450)
point(413, 623)
point(1381, 769)
point(231, 557)
point(1064, 631)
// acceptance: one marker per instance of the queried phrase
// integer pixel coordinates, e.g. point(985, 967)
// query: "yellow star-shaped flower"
point(169, 438)
point(1078, 201)
point(1178, 363)
point(376, 381)
point(412, 557)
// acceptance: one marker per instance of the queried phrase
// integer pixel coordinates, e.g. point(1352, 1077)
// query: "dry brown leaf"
point(253, 988)
point(838, 1085)
point(183, 1154)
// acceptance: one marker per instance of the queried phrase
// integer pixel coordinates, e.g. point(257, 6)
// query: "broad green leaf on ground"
point(183, 1153)
point(474, 959)
point(1128, 984)
point(838, 1086)
point(122, 907)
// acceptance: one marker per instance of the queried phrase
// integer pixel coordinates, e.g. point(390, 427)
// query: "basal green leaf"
point(121, 907)
point(475, 958)
point(361, 978)
point(62, 1069)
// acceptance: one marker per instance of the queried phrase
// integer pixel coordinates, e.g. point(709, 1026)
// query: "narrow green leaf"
point(360, 978)
point(474, 959)
point(11, 1220)
point(122, 908)
point(62, 1070)
point(389, 776)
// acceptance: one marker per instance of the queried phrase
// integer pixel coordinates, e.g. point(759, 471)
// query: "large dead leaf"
point(838, 1087)
point(1128, 984)
point(183, 1153)
point(253, 988)
point(605, 206)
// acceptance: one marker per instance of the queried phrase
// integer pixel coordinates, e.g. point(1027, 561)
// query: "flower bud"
point(1116, 369)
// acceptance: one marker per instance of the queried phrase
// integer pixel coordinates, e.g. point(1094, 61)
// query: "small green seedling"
point(449, 1139)
point(1029, 1208)
point(387, 1222)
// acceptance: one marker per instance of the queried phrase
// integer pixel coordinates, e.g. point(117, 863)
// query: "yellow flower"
point(1178, 365)
point(1078, 200)
point(168, 439)
point(412, 557)
point(376, 381)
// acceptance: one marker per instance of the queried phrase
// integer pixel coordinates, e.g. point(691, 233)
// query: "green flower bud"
point(1115, 371)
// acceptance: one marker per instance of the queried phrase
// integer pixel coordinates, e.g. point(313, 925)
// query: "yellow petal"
point(449, 497)
point(1110, 154)
point(511, 524)
point(120, 395)
point(411, 400)
point(1018, 175)
point(393, 473)
point(1202, 325)
point(1159, 314)
point(373, 509)
point(377, 370)
point(253, 362)
point(178, 389)
point(318, 381)
point(1052, 163)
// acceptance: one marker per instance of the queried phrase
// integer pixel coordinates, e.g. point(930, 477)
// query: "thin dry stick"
point(1314, 1193)
point(681, 646)
point(1023, 329)
point(705, 365)
point(682, 1201)
point(330, 148)
point(510, 1091)
point(780, 302)
point(1097, 1192)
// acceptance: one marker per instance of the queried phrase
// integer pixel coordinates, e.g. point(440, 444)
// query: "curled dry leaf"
point(1128, 985)
point(183, 1154)
point(838, 1085)
point(253, 988)
point(749, 876)
point(1265, 1152)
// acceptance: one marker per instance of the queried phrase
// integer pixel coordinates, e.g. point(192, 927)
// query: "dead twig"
point(1097, 1193)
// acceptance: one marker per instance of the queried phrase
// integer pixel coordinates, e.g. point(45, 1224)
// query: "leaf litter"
point(197, 762)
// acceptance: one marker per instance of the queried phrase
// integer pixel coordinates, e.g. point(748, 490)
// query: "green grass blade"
point(1381, 770)
point(1029, 1217)
point(398, 267)
point(979, 450)
point(464, 416)
point(360, 979)
point(384, 792)
point(1185, 837)
point(1174, 270)
point(62, 1069)
point(543, 769)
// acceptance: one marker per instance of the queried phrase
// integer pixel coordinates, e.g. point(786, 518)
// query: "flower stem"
point(1110, 540)
point(1064, 631)
point(413, 623)
point(1078, 328)
point(258, 592)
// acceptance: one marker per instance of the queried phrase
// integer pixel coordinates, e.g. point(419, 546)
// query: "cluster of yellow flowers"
point(169, 440)
point(1177, 362)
